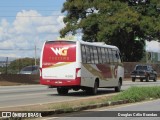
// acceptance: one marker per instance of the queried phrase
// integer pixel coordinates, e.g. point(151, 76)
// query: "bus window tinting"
point(92, 55)
point(99, 55)
point(95, 55)
point(103, 55)
point(107, 55)
point(88, 54)
point(110, 54)
point(84, 58)
point(115, 59)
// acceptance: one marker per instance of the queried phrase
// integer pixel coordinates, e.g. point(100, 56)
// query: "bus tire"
point(62, 91)
point(118, 88)
point(147, 78)
point(133, 79)
point(94, 90)
point(141, 79)
point(155, 78)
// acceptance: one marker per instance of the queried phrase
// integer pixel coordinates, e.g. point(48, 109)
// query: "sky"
point(25, 24)
point(153, 46)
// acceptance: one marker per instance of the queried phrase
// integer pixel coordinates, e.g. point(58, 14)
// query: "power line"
point(31, 16)
point(26, 6)
point(20, 49)
point(31, 9)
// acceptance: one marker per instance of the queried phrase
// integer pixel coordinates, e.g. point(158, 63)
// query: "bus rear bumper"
point(60, 82)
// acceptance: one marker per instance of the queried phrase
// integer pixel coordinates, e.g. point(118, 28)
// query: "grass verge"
point(137, 94)
point(133, 94)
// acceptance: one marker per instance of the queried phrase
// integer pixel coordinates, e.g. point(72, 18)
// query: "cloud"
point(4, 25)
point(29, 28)
point(153, 46)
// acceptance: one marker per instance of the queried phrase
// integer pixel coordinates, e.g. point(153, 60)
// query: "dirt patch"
point(8, 83)
point(18, 79)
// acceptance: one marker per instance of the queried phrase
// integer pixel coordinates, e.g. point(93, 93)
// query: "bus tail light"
point(78, 72)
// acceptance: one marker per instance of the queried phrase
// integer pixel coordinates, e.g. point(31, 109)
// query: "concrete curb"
point(81, 108)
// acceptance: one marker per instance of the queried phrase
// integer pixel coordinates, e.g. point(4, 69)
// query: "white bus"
point(82, 65)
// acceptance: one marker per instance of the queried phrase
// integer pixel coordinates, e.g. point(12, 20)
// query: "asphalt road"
point(38, 94)
point(139, 111)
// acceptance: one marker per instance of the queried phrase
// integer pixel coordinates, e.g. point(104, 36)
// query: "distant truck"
point(144, 72)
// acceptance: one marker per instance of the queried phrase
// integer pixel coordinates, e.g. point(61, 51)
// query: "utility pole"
point(7, 65)
point(35, 57)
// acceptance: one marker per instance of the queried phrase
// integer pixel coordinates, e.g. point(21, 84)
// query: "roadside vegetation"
point(132, 95)
point(137, 94)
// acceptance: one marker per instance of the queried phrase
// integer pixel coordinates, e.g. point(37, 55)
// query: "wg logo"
point(60, 51)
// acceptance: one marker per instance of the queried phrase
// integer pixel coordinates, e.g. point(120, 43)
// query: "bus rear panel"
point(58, 64)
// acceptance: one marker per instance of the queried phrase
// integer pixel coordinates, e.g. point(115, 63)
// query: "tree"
point(16, 65)
point(115, 22)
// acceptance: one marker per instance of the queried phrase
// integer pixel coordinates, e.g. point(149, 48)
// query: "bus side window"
point(99, 55)
point(107, 55)
point(118, 56)
point(92, 55)
point(103, 55)
point(110, 55)
point(115, 56)
point(84, 58)
point(95, 55)
point(88, 55)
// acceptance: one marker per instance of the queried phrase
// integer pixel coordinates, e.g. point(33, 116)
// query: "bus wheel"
point(62, 91)
point(155, 78)
point(147, 78)
point(92, 91)
point(141, 79)
point(133, 79)
point(118, 88)
point(95, 89)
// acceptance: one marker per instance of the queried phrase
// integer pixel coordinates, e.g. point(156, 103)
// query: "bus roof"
point(101, 44)
point(98, 44)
